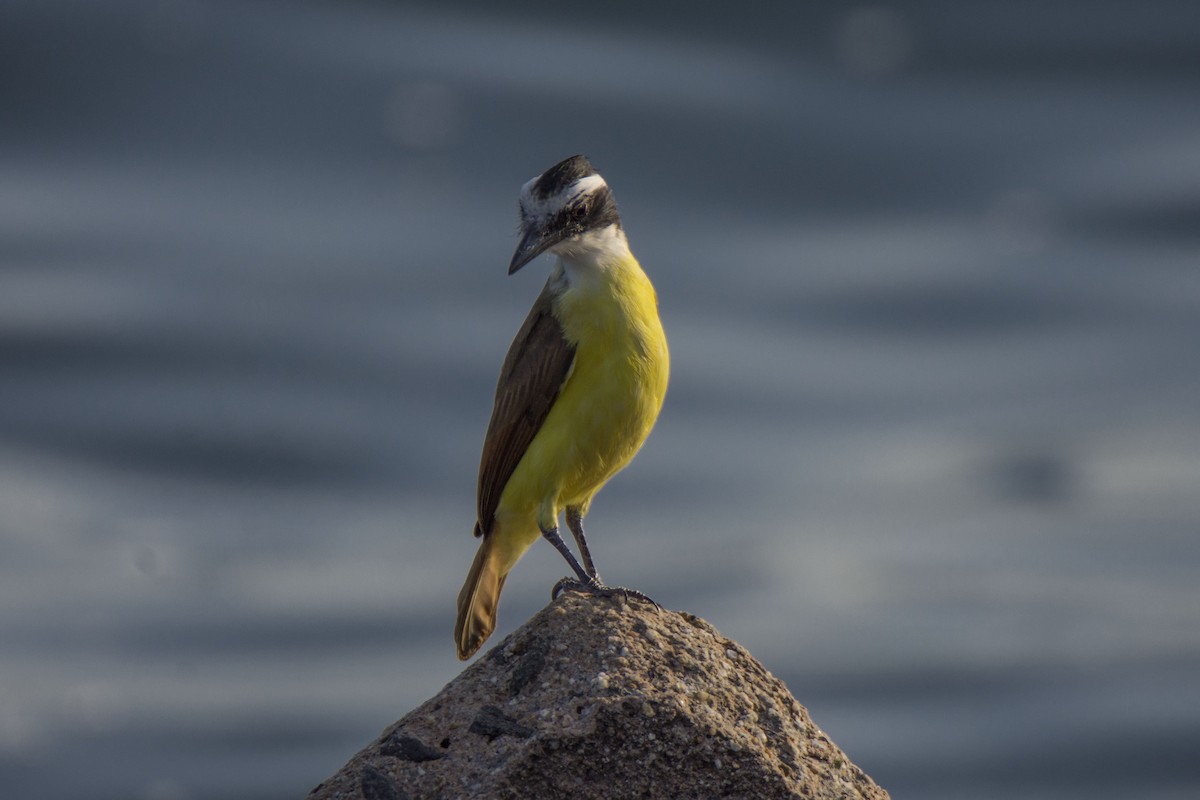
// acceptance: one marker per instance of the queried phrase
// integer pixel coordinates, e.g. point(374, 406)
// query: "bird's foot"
point(598, 589)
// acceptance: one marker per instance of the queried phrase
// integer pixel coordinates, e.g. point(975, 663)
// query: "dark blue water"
point(931, 277)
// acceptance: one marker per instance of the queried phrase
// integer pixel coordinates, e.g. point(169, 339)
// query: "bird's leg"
point(588, 581)
point(575, 523)
point(555, 539)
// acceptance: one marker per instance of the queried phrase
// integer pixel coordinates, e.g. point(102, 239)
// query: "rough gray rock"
point(604, 698)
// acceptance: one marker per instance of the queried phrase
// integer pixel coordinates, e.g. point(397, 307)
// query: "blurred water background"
point(931, 277)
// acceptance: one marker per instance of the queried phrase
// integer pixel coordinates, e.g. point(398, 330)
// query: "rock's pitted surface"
point(602, 698)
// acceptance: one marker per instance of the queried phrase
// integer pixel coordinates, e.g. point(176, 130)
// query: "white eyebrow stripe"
point(535, 207)
point(585, 186)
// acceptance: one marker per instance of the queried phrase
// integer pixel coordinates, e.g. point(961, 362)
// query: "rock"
point(606, 698)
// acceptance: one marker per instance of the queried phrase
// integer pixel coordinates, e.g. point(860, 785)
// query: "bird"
point(578, 393)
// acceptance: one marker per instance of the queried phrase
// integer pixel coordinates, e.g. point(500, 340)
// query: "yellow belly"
point(603, 413)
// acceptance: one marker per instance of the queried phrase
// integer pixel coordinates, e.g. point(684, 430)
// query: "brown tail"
point(478, 600)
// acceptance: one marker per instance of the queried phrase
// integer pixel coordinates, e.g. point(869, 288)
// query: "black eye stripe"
point(593, 211)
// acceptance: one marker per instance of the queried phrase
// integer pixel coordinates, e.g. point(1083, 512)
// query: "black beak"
point(535, 242)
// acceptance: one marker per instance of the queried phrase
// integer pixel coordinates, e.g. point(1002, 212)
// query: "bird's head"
point(561, 208)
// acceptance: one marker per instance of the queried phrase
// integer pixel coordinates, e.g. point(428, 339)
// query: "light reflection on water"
point(929, 449)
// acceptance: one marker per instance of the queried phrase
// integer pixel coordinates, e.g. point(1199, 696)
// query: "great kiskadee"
point(578, 393)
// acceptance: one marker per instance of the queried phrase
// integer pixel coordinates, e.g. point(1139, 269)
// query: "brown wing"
point(534, 370)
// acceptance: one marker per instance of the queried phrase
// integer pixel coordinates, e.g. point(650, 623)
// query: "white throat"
point(596, 249)
point(588, 262)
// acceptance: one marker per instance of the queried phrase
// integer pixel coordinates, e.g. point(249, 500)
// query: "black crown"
point(561, 175)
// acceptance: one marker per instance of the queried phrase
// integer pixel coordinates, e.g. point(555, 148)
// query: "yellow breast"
point(610, 399)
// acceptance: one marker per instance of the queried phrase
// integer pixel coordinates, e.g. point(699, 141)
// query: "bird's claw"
point(598, 589)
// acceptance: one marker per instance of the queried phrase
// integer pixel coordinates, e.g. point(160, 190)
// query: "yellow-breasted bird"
point(578, 393)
